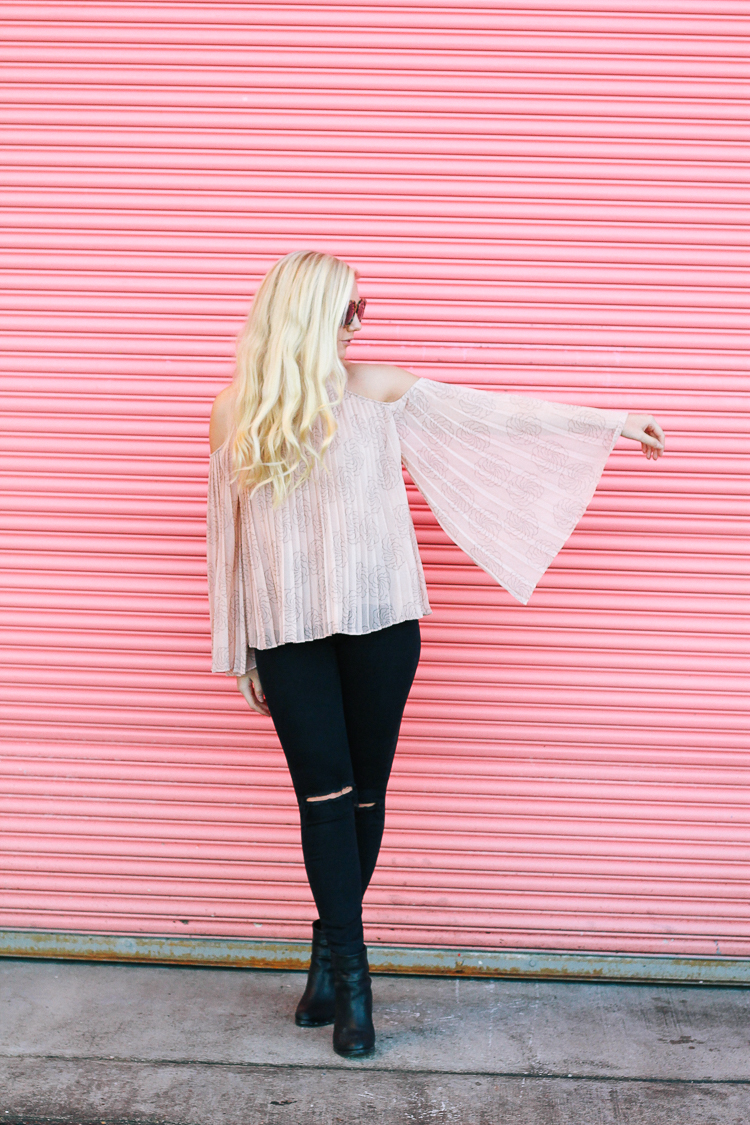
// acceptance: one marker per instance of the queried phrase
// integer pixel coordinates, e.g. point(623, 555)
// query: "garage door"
point(539, 200)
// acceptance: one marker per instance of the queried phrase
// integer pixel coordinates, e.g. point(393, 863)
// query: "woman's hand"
point(645, 429)
point(250, 686)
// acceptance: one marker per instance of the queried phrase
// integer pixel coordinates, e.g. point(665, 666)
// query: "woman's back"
point(337, 555)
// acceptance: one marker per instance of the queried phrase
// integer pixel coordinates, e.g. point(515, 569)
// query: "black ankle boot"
point(317, 1006)
point(353, 1033)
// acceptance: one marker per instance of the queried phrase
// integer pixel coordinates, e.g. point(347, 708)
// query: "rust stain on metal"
point(412, 961)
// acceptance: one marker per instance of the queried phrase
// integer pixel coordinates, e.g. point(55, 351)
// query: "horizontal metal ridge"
point(224, 20)
point(425, 960)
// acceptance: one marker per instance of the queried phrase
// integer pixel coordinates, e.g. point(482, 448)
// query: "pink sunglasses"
point(354, 308)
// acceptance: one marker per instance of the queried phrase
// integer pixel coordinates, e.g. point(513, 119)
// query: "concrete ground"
point(86, 1043)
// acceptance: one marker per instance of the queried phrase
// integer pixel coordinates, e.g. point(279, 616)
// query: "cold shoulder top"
point(507, 476)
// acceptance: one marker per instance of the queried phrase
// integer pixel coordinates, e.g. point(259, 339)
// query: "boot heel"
point(317, 1008)
point(353, 1032)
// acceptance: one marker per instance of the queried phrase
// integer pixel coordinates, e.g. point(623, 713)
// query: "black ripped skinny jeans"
point(337, 705)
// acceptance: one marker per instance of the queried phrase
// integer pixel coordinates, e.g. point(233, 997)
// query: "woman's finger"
point(247, 691)
point(256, 688)
point(260, 703)
point(647, 439)
point(249, 698)
point(654, 428)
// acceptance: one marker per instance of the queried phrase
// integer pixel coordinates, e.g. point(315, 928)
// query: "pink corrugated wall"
point(537, 198)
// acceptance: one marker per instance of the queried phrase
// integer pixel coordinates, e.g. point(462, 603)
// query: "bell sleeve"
point(507, 476)
point(226, 601)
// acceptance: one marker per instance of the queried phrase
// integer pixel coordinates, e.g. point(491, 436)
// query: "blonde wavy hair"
point(286, 354)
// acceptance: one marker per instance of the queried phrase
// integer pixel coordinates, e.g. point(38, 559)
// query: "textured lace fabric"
point(507, 476)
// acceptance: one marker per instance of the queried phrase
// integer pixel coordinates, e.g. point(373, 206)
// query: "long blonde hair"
point(286, 353)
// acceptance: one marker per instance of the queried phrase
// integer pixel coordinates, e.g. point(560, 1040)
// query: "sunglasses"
point(355, 308)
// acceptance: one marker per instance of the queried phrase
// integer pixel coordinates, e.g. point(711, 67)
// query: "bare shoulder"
point(381, 381)
point(221, 418)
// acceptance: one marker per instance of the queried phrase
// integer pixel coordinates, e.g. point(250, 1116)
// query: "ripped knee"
point(369, 798)
point(327, 807)
point(329, 796)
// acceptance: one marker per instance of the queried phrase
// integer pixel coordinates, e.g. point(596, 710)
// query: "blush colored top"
point(508, 477)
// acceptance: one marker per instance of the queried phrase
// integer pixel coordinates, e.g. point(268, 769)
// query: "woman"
point(315, 583)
